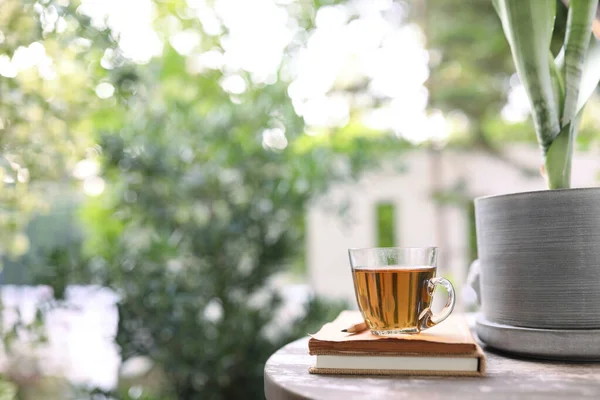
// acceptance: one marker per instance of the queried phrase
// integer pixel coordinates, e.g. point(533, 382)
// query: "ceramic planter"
point(539, 255)
point(538, 273)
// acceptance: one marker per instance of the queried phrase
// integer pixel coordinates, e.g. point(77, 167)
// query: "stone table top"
point(287, 377)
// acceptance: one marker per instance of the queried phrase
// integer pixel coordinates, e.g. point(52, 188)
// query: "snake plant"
point(557, 87)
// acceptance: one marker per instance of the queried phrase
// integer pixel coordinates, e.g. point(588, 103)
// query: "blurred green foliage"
point(470, 63)
point(8, 391)
point(43, 107)
point(202, 214)
point(204, 200)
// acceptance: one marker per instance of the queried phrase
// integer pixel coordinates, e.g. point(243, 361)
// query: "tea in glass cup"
point(394, 288)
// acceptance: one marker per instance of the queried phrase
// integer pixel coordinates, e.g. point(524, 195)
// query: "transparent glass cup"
point(394, 288)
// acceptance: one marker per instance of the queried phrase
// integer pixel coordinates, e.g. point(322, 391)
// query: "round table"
point(287, 377)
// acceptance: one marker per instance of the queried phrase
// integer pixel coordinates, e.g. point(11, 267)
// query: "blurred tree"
point(206, 193)
point(49, 69)
point(469, 59)
point(207, 174)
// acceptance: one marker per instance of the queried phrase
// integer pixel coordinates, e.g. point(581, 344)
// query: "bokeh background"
point(180, 180)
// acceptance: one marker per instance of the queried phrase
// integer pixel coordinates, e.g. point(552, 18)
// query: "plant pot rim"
point(534, 193)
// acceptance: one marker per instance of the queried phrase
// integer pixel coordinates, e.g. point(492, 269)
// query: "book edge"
point(476, 352)
point(479, 354)
point(469, 349)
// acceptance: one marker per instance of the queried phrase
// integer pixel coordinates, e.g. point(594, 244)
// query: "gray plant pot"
point(539, 257)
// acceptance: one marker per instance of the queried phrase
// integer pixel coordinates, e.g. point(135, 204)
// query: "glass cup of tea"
point(394, 288)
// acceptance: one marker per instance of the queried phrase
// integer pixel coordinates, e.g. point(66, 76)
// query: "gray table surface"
point(287, 377)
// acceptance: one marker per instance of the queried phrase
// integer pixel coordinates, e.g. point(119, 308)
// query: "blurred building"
point(430, 203)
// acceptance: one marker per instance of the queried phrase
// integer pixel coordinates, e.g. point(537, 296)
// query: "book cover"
point(446, 349)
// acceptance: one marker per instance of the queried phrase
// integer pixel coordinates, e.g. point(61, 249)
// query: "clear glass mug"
point(394, 288)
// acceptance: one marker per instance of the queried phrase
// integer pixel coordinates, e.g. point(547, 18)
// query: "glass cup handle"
point(427, 318)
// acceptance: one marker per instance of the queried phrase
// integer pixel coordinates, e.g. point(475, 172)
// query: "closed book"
point(446, 349)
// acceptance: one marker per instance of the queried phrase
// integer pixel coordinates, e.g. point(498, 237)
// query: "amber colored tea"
point(393, 298)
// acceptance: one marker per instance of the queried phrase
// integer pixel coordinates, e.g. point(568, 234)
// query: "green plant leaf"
point(528, 26)
point(577, 37)
point(557, 159)
point(591, 74)
point(558, 84)
point(559, 60)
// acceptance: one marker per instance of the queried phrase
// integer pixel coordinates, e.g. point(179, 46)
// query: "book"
point(446, 349)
